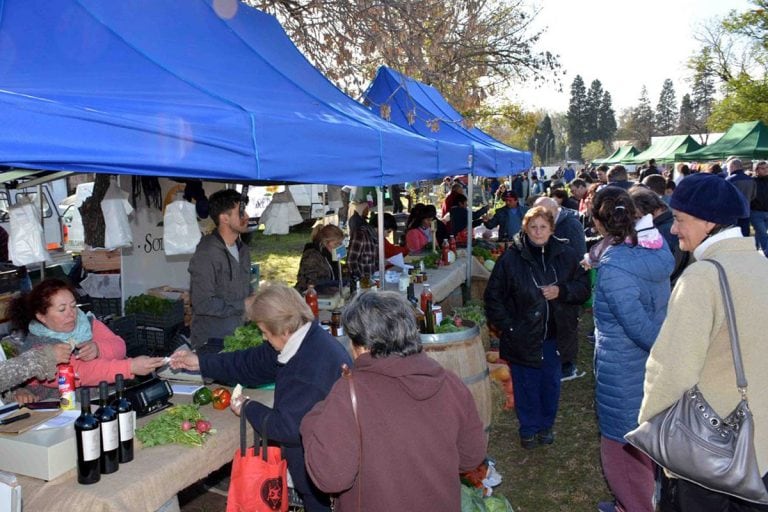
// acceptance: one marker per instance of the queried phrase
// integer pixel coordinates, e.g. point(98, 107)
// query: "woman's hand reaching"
point(185, 360)
point(87, 351)
point(143, 365)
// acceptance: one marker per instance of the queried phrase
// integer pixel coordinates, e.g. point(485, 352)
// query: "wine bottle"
point(126, 419)
point(88, 435)
point(110, 434)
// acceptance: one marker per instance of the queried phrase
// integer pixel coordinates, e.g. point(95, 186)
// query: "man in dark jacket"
point(758, 215)
point(568, 227)
point(220, 271)
point(509, 217)
point(746, 185)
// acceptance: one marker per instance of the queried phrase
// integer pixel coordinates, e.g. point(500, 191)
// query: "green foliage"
point(245, 336)
point(666, 110)
point(577, 112)
point(745, 100)
point(543, 141)
point(508, 123)
point(473, 311)
point(166, 428)
point(687, 119)
point(148, 304)
point(593, 150)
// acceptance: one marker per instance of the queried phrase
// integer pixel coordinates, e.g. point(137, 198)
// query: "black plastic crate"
point(125, 327)
point(159, 341)
point(105, 307)
point(173, 318)
point(9, 279)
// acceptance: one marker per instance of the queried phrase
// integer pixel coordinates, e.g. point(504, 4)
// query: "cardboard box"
point(101, 260)
point(44, 454)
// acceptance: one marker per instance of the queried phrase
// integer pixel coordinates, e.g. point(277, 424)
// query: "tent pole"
point(41, 200)
point(380, 228)
point(470, 235)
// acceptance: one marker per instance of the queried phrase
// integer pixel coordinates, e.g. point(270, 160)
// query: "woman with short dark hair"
point(411, 413)
point(631, 294)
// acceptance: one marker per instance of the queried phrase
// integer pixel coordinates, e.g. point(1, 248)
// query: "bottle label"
point(109, 435)
point(127, 425)
point(91, 444)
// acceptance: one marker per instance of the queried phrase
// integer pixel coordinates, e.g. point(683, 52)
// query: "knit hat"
point(711, 198)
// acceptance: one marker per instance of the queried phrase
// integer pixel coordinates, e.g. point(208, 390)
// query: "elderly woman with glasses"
point(410, 413)
point(533, 298)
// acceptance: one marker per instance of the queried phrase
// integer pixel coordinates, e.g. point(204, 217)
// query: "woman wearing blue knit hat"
point(693, 346)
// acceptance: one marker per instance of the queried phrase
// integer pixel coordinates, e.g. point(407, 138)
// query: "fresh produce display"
point(487, 256)
point(473, 311)
point(181, 424)
point(245, 336)
point(148, 304)
point(221, 398)
point(431, 260)
point(449, 325)
point(202, 396)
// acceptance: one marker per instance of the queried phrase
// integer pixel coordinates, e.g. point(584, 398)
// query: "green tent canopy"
point(616, 157)
point(664, 150)
point(743, 140)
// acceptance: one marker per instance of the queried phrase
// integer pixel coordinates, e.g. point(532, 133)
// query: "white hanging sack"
point(26, 243)
point(116, 208)
point(181, 232)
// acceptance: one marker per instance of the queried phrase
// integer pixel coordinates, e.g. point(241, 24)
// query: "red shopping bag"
point(258, 482)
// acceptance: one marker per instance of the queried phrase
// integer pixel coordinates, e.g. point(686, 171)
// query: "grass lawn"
point(563, 477)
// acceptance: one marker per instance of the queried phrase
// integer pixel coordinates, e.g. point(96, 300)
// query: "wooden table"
point(153, 478)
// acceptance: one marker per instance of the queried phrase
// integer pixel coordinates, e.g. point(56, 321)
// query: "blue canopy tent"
point(411, 103)
point(188, 88)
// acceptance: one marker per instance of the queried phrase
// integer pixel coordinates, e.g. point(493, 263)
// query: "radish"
point(203, 426)
point(186, 425)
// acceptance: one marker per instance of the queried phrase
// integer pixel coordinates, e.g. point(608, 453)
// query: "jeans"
point(537, 392)
point(759, 220)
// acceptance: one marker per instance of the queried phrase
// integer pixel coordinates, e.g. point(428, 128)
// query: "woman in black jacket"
point(533, 298)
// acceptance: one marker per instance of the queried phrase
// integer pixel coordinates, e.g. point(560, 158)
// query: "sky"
point(624, 44)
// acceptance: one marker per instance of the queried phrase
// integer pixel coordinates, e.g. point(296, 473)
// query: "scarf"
point(80, 334)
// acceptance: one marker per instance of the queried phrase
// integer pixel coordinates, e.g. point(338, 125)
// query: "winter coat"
point(693, 346)
point(39, 362)
point(515, 305)
point(745, 184)
point(419, 428)
point(509, 220)
point(218, 287)
point(299, 385)
point(631, 295)
point(568, 227)
point(316, 267)
point(110, 362)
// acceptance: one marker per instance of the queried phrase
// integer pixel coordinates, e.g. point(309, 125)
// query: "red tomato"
point(221, 398)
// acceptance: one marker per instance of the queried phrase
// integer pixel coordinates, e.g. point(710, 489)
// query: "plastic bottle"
point(311, 298)
point(444, 256)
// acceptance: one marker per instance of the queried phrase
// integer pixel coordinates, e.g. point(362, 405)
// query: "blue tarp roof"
point(412, 103)
point(181, 88)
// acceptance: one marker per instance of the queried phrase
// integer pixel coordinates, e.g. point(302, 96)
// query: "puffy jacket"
point(515, 305)
point(631, 296)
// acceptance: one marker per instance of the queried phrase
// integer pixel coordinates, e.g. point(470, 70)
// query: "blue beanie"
point(711, 198)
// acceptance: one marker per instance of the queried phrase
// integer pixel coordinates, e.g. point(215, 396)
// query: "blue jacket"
point(305, 380)
point(631, 295)
point(509, 220)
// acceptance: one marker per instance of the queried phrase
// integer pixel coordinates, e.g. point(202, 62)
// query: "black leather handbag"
point(692, 442)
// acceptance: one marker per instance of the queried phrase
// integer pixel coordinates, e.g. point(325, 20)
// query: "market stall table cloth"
point(155, 476)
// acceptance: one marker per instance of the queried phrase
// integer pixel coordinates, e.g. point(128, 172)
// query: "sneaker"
point(529, 443)
point(546, 436)
point(606, 506)
point(571, 373)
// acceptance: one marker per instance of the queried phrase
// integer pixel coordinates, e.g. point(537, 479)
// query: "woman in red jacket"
point(49, 314)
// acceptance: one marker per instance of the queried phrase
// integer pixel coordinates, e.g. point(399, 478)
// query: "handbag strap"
point(256, 434)
point(730, 317)
point(347, 374)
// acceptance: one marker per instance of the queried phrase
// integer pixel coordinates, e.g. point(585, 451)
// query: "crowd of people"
point(636, 249)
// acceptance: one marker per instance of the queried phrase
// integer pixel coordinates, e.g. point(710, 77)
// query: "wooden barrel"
point(462, 352)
